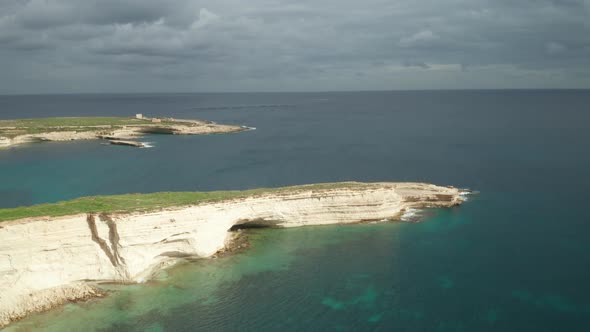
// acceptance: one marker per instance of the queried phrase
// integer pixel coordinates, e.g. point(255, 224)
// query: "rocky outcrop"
point(4, 141)
point(47, 261)
point(184, 127)
point(128, 143)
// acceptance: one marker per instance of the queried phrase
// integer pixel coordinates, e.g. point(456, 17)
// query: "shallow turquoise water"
point(514, 258)
point(462, 269)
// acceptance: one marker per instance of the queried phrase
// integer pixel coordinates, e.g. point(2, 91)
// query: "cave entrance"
point(246, 226)
point(253, 224)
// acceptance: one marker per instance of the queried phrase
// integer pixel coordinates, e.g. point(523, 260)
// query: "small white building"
point(139, 116)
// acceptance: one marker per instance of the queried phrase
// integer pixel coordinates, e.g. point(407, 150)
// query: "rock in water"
point(128, 143)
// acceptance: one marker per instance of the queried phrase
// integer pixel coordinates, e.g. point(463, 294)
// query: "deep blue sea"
point(516, 257)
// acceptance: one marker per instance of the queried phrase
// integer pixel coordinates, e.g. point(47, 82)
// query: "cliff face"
point(44, 262)
point(5, 141)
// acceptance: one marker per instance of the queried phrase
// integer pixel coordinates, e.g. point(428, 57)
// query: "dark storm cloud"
point(51, 13)
point(188, 45)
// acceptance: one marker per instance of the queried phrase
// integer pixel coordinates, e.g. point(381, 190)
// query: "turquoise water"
point(457, 271)
point(514, 258)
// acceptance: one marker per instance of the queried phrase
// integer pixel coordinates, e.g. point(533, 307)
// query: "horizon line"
point(279, 92)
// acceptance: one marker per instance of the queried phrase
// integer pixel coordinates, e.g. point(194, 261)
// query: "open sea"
point(516, 257)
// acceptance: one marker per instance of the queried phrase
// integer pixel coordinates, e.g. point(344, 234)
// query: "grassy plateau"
point(129, 203)
point(12, 128)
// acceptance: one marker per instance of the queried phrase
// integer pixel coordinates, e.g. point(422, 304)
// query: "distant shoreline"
point(114, 129)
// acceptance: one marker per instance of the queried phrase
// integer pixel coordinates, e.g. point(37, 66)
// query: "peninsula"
point(52, 253)
point(118, 130)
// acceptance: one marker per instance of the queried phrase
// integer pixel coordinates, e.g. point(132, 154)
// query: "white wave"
point(147, 145)
point(411, 215)
point(380, 221)
point(249, 128)
point(465, 194)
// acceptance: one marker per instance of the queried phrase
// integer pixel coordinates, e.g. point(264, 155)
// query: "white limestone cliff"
point(48, 261)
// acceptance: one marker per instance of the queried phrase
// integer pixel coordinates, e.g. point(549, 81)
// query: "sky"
point(75, 46)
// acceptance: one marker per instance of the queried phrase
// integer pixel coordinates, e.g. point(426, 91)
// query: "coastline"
point(47, 261)
point(121, 130)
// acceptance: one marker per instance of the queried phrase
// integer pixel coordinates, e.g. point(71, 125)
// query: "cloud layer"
point(268, 45)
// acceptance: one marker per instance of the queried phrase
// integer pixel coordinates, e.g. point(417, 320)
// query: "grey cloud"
point(418, 64)
point(554, 48)
point(42, 14)
point(419, 39)
point(233, 45)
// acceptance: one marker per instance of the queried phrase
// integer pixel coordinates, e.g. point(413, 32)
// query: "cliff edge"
point(46, 261)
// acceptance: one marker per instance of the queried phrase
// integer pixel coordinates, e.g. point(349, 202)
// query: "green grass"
point(152, 202)
point(69, 122)
point(42, 125)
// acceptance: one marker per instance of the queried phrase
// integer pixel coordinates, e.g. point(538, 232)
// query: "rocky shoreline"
point(126, 133)
point(127, 143)
point(45, 262)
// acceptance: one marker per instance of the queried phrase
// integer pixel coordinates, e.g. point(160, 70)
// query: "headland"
point(53, 253)
point(118, 129)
